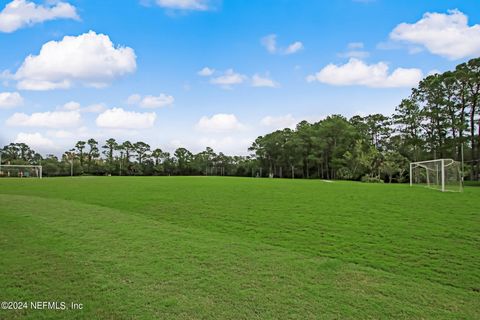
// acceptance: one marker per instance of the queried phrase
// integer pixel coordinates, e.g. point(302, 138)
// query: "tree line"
point(440, 119)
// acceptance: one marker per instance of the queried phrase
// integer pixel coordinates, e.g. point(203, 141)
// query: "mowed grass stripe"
point(187, 260)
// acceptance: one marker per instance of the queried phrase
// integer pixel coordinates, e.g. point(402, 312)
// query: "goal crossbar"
point(442, 174)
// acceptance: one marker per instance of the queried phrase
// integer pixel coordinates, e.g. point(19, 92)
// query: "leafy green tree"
point(80, 146)
point(92, 154)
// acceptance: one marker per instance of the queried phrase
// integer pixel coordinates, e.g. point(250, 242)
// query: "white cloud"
point(20, 13)
point(360, 54)
point(75, 106)
point(294, 47)
point(78, 133)
point(49, 119)
point(447, 35)
point(199, 5)
point(227, 145)
point(279, 122)
point(94, 108)
point(36, 141)
point(220, 122)
point(61, 134)
point(228, 79)
point(355, 51)
point(206, 72)
point(357, 72)
point(117, 118)
point(355, 45)
point(270, 43)
point(259, 81)
point(71, 106)
point(10, 99)
point(90, 59)
point(149, 101)
point(287, 121)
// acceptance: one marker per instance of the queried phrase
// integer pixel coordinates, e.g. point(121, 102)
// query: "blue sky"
point(130, 69)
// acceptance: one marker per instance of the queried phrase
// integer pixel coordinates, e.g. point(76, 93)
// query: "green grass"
point(238, 248)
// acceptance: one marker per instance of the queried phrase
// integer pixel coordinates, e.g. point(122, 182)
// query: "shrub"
point(368, 179)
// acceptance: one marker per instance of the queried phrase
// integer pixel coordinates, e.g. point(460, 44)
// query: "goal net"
point(20, 171)
point(440, 174)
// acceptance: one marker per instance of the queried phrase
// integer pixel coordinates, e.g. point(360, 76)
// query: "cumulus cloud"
point(117, 118)
point(36, 141)
point(228, 79)
point(357, 72)
point(206, 72)
point(220, 122)
point(21, 13)
point(10, 99)
point(149, 101)
point(447, 35)
point(199, 5)
point(259, 81)
point(90, 59)
point(270, 43)
point(49, 119)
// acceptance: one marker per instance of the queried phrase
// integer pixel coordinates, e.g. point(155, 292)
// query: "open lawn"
point(238, 248)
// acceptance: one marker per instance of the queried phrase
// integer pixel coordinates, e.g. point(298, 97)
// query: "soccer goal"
point(440, 174)
point(20, 171)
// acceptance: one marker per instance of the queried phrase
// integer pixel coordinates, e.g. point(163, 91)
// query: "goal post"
point(20, 171)
point(441, 174)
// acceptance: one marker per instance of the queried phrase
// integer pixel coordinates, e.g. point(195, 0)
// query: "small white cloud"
point(117, 118)
point(294, 47)
point(206, 72)
point(287, 121)
point(259, 81)
point(10, 99)
point(50, 119)
point(36, 141)
point(357, 72)
point(228, 79)
point(75, 106)
point(90, 59)
point(447, 35)
point(270, 43)
point(134, 99)
point(227, 145)
point(355, 51)
point(199, 5)
point(355, 45)
point(149, 101)
point(220, 122)
point(21, 13)
point(355, 54)
point(279, 122)
point(71, 106)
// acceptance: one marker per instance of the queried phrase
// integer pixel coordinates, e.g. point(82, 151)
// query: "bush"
point(368, 179)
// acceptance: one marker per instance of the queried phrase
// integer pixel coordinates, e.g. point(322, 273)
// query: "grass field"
point(238, 248)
